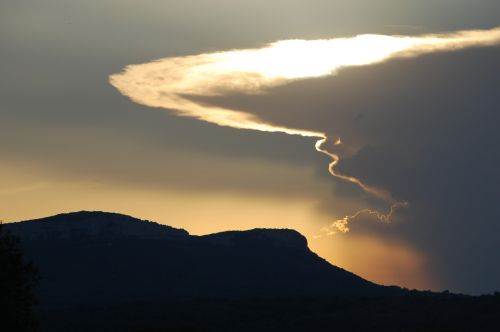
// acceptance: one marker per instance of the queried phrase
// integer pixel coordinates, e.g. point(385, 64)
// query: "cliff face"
point(89, 257)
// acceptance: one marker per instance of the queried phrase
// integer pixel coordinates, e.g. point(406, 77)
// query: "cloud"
point(169, 82)
point(416, 117)
point(426, 130)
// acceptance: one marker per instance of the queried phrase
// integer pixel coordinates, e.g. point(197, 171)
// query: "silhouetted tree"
point(17, 281)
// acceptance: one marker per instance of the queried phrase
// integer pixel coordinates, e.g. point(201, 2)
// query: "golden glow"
point(377, 259)
point(193, 210)
point(168, 82)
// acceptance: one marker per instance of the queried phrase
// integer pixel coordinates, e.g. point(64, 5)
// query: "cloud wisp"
point(171, 83)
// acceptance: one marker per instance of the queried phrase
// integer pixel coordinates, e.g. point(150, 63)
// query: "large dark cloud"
point(434, 142)
point(425, 129)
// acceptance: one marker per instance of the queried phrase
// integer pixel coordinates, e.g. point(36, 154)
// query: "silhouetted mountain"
point(110, 272)
point(97, 257)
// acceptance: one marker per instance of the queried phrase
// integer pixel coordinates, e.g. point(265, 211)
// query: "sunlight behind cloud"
point(171, 83)
point(168, 82)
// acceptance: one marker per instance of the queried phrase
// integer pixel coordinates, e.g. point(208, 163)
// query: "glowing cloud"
point(168, 83)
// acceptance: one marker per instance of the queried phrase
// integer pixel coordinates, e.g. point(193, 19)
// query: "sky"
point(92, 119)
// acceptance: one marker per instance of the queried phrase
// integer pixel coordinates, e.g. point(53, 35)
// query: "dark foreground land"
point(413, 312)
point(101, 271)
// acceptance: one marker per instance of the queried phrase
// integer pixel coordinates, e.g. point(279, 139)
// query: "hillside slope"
point(97, 257)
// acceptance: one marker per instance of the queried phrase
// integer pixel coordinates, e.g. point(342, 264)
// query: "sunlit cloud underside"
point(168, 83)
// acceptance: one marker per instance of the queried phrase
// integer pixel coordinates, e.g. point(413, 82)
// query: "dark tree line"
point(18, 279)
